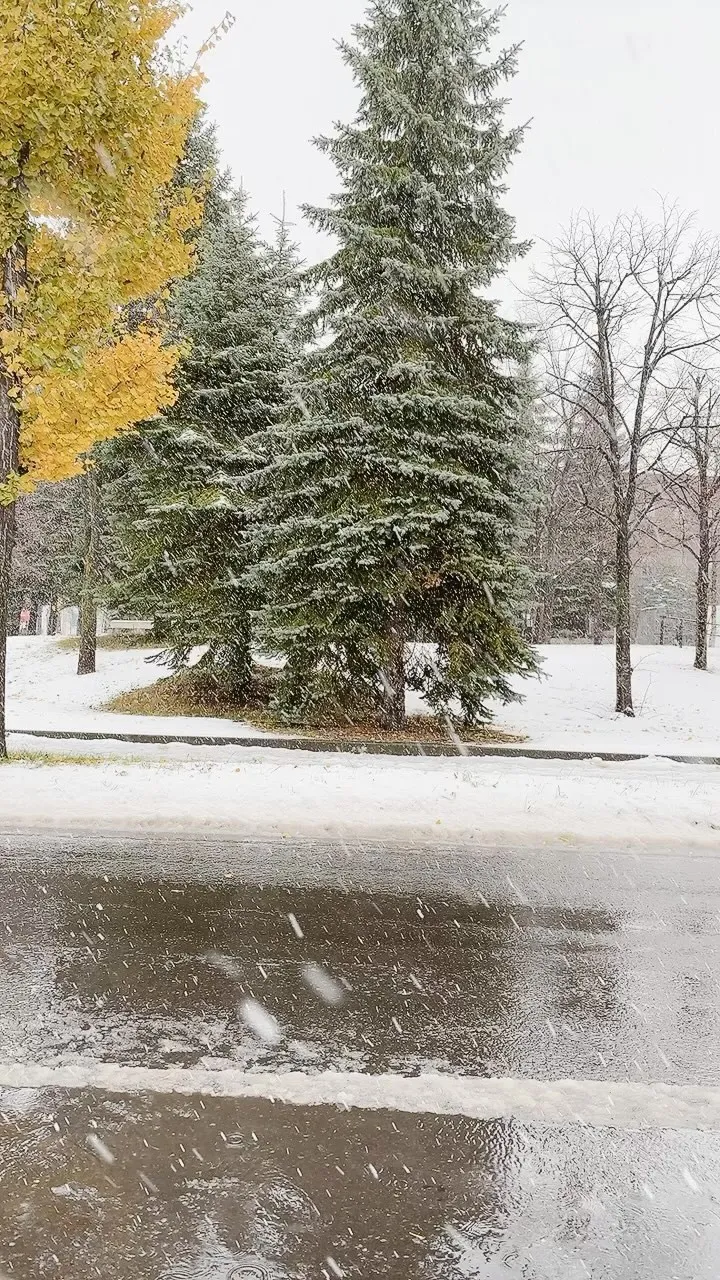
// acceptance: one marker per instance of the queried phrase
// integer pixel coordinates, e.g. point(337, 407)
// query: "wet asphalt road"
point(535, 966)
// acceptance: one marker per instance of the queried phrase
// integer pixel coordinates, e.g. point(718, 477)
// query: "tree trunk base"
point(14, 279)
point(623, 652)
point(7, 536)
point(394, 683)
point(703, 611)
point(88, 602)
point(87, 658)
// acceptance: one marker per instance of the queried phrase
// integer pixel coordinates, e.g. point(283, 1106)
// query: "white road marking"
point(554, 1102)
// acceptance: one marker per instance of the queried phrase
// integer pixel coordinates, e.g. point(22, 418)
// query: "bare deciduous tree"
point(690, 514)
point(570, 549)
point(622, 307)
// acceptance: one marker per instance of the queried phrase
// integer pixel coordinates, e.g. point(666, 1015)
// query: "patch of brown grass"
point(182, 695)
point(197, 692)
point(175, 696)
point(416, 729)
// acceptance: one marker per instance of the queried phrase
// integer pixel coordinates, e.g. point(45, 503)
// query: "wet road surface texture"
point(266, 959)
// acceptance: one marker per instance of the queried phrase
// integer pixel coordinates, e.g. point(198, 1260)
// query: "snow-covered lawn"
point(570, 706)
point(238, 791)
point(276, 793)
point(44, 692)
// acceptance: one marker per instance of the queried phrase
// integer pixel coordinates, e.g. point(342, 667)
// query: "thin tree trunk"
point(703, 592)
point(712, 639)
point(538, 623)
point(597, 630)
point(8, 448)
point(33, 619)
point(544, 622)
point(14, 275)
point(393, 676)
point(87, 657)
point(53, 618)
point(623, 663)
point(548, 619)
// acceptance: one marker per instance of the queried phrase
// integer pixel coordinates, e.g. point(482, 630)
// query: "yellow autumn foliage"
point(94, 117)
point(126, 381)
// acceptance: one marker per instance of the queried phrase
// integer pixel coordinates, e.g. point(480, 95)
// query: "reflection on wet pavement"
point(484, 982)
point(208, 1190)
point(548, 966)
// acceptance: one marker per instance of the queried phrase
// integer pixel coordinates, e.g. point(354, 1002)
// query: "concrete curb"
point(366, 747)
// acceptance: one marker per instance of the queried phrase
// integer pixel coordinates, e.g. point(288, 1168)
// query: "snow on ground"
point(570, 706)
point(280, 793)
point(620, 1104)
point(239, 791)
point(44, 692)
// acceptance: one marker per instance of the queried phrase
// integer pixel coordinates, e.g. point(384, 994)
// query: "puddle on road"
point(210, 1189)
point(156, 972)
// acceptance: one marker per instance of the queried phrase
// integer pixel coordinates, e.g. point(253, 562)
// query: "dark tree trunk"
point(623, 663)
point(393, 679)
point(8, 451)
point(87, 657)
point(33, 619)
point(712, 634)
point(546, 626)
point(233, 661)
point(703, 592)
point(14, 278)
point(54, 618)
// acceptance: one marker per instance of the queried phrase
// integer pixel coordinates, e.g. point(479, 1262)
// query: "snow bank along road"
point(240, 790)
point(280, 1060)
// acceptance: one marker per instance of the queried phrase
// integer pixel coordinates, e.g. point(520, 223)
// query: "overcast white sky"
point(622, 95)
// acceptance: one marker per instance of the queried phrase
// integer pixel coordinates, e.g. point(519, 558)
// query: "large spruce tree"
point(389, 512)
point(183, 537)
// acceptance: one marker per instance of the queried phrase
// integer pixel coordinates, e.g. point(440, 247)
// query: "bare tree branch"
point(628, 312)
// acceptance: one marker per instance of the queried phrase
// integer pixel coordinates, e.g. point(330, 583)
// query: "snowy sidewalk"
point(295, 794)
